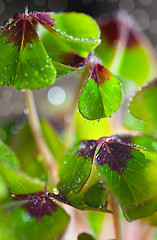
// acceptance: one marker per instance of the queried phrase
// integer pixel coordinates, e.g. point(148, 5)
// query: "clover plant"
point(109, 167)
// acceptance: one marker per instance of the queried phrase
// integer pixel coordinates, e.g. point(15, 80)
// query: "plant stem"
point(116, 217)
point(37, 134)
point(77, 225)
point(69, 130)
point(148, 232)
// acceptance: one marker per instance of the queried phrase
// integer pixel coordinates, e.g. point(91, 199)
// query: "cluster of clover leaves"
point(36, 49)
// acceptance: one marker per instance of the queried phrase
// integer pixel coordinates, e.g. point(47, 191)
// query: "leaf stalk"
point(37, 134)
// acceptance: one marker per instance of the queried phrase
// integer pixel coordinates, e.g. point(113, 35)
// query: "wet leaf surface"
point(20, 225)
point(22, 52)
point(30, 162)
point(8, 156)
point(76, 167)
point(71, 41)
point(17, 181)
point(91, 197)
point(26, 63)
point(38, 204)
point(129, 173)
point(74, 36)
point(101, 95)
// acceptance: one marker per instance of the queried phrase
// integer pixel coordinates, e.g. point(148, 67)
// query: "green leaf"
point(76, 168)
point(85, 236)
point(72, 33)
point(153, 219)
point(18, 182)
point(122, 40)
point(52, 140)
point(8, 156)
point(63, 69)
point(143, 106)
point(31, 163)
point(101, 95)
point(80, 28)
point(142, 141)
point(132, 123)
point(70, 41)
point(140, 210)
point(90, 198)
point(4, 191)
point(95, 195)
point(19, 225)
point(130, 173)
point(23, 59)
point(92, 194)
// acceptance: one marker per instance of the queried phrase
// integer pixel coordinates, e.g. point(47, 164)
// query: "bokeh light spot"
point(18, 107)
point(127, 4)
point(7, 94)
point(146, 2)
point(142, 18)
point(5, 107)
point(56, 95)
point(153, 26)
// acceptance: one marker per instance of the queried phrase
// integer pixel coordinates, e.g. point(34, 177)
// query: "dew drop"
point(71, 37)
point(25, 217)
point(26, 111)
point(142, 18)
point(154, 144)
point(79, 180)
point(14, 130)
